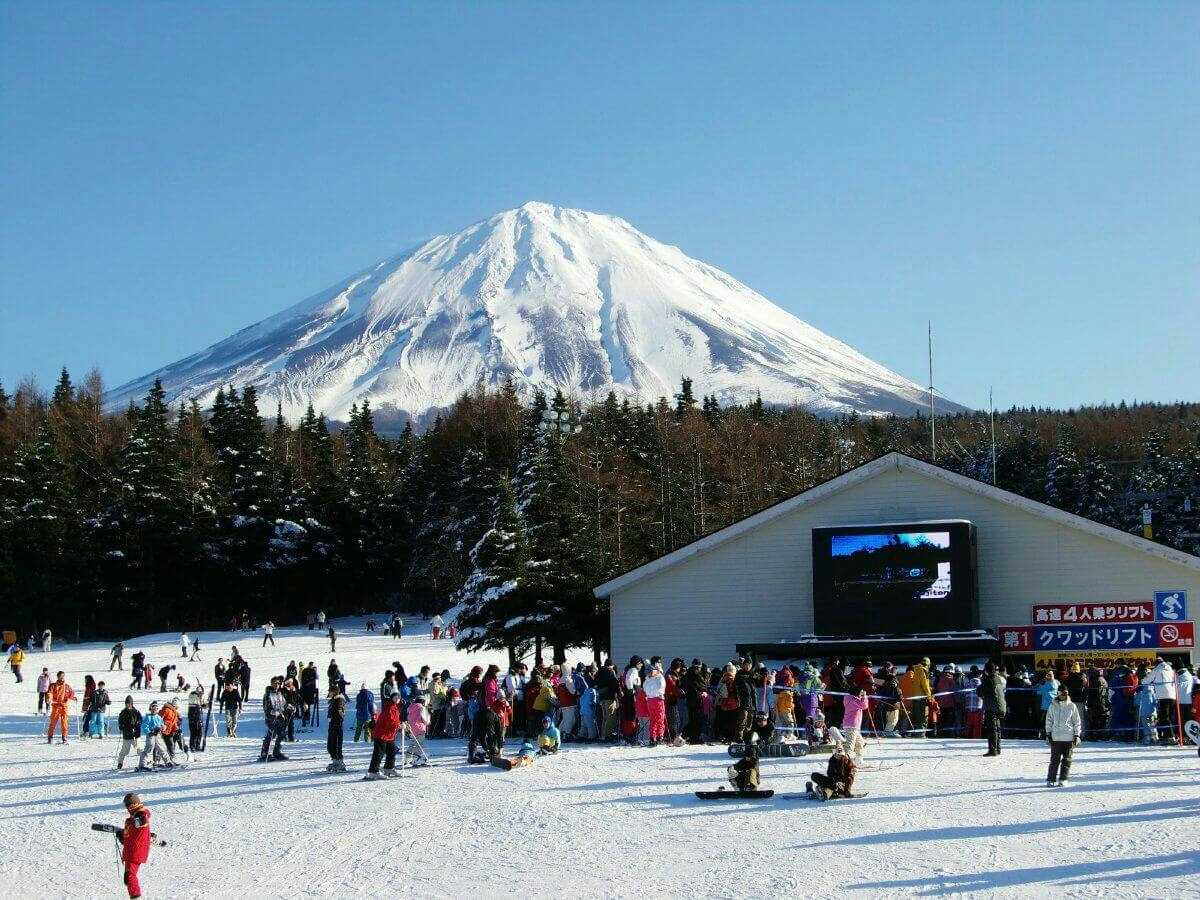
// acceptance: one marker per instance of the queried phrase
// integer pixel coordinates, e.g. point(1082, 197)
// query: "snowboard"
point(507, 764)
point(813, 795)
point(1192, 730)
point(738, 751)
point(723, 794)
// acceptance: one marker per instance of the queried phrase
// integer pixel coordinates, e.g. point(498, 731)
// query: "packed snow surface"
point(547, 297)
point(591, 822)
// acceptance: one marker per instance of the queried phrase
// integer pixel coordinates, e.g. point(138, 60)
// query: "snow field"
point(592, 822)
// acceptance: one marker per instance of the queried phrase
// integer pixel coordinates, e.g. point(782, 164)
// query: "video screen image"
point(891, 567)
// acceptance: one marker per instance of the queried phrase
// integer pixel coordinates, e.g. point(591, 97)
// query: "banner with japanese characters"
point(1148, 636)
point(1094, 659)
point(1071, 613)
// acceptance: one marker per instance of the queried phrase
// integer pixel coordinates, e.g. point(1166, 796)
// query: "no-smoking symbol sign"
point(1169, 634)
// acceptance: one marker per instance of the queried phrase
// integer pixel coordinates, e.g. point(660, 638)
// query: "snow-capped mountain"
point(546, 296)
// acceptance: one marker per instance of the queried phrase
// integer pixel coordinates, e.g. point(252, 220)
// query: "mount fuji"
point(548, 297)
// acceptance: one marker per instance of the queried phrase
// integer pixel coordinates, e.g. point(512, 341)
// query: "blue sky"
point(1025, 175)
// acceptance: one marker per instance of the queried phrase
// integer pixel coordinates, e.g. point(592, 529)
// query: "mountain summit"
point(546, 296)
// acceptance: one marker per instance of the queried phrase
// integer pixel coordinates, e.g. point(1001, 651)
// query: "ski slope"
point(592, 822)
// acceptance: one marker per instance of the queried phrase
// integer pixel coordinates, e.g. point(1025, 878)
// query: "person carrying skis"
point(838, 779)
point(60, 694)
point(129, 722)
point(387, 723)
point(1063, 729)
point(135, 843)
point(335, 719)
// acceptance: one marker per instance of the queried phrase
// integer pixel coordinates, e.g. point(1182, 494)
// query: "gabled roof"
point(899, 462)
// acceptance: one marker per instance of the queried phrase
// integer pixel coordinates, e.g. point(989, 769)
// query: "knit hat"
point(132, 800)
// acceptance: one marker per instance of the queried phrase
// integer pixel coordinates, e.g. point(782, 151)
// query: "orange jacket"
point(170, 720)
point(61, 694)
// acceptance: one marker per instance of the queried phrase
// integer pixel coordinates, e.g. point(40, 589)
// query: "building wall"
point(758, 587)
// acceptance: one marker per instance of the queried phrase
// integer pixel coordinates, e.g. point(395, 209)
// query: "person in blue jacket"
point(550, 740)
point(152, 745)
point(364, 712)
point(1046, 692)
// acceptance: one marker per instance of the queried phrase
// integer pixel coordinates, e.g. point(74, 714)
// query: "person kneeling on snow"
point(550, 740)
point(838, 780)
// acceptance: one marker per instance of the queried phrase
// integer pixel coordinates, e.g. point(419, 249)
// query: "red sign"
point(1089, 613)
point(1177, 634)
point(1015, 638)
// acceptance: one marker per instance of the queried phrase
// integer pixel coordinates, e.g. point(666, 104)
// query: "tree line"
point(510, 511)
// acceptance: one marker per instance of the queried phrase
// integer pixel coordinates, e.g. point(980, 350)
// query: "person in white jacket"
point(655, 689)
point(1063, 728)
point(1162, 682)
point(184, 643)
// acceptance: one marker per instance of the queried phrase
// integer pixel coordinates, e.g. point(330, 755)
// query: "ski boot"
point(262, 757)
point(373, 776)
point(390, 773)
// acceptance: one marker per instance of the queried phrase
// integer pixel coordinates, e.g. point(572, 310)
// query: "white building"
point(752, 582)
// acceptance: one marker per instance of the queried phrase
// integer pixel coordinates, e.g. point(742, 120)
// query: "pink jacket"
point(853, 706)
point(418, 719)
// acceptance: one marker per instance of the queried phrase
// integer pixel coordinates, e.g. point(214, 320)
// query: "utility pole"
point(932, 414)
point(992, 418)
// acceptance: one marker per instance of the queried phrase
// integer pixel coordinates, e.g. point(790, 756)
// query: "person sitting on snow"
point(838, 780)
point(550, 740)
point(744, 774)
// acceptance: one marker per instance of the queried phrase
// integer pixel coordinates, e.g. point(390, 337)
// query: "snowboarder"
point(117, 662)
point(744, 774)
point(838, 779)
point(135, 843)
point(991, 691)
point(268, 629)
point(1063, 729)
point(129, 722)
point(335, 718)
point(59, 694)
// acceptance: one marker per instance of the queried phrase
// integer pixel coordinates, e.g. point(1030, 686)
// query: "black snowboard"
point(812, 795)
point(734, 795)
point(738, 751)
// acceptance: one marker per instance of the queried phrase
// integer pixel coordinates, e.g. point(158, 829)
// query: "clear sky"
point(1025, 175)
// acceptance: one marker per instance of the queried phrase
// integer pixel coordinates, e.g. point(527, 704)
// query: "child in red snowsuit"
point(135, 842)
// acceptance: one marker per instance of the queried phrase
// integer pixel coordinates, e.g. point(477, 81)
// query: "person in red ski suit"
point(135, 842)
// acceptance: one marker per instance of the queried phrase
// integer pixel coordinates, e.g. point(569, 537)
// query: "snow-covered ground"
point(595, 821)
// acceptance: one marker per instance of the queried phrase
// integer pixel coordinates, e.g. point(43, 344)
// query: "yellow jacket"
point(16, 657)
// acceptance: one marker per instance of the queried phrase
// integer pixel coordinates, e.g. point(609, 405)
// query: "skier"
point(244, 678)
point(16, 656)
point(43, 691)
point(991, 692)
point(838, 779)
point(332, 640)
point(138, 665)
point(231, 705)
point(135, 842)
point(195, 722)
point(130, 724)
point(364, 712)
point(853, 707)
point(118, 652)
point(184, 643)
point(195, 657)
point(59, 694)
point(276, 714)
point(47, 639)
point(152, 748)
point(164, 672)
point(436, 624)
point(321, 619)
point(268, 629)
point(336, 717)
point(387, 723)
point(171, 731)
point(1063, 728)
point(97, 726)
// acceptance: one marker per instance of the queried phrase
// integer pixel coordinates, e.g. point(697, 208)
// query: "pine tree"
point(1098, 495)
point(64, 392)
point(1064, 474)
point(494, 613)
